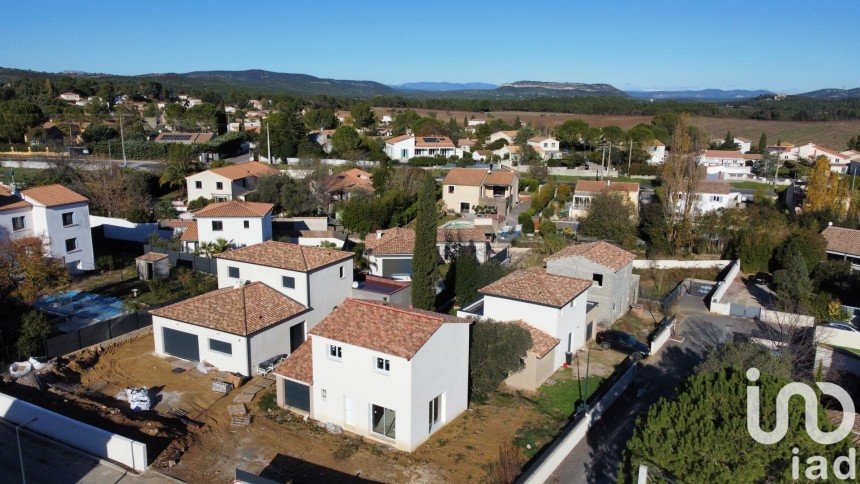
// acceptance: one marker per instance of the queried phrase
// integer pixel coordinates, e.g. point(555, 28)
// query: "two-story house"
point(389, 252)
point(388, 373)
point(230, 182)
point(586, 190)
point(709, 196)
point(344, 184)
point(555, 307)
point(546, 146)
point(726, 164)
point(843, 244)
point(57, 215)
point(407, 146)
point(656, 152)
point(238, 222)
point(463, 189)
point(610, 268)
point(233, 328)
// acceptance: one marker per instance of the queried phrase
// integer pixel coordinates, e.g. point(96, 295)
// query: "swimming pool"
point(80, 308)
point(453, 224)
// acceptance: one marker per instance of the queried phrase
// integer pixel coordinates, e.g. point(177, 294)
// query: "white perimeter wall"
point(87, 438)
point(122, 229)
point(679, 264)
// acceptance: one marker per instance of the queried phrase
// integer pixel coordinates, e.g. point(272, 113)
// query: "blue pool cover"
point(82, 307)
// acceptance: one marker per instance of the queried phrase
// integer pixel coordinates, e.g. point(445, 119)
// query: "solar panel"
point(176, 137)
point(431, 140)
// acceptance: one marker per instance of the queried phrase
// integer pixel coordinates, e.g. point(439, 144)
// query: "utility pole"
point(122, 142)
point(268, 144)
point(630, 157)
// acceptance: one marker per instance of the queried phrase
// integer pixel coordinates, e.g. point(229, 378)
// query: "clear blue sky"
point(790, 46)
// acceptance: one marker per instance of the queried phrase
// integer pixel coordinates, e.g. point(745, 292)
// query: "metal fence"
point(96, 333)
point(184, 259)
point(672, 297)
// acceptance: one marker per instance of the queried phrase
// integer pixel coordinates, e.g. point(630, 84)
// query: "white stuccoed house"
point(229, 182)
point(238, 222)
point(389, 373)
point(55, 214)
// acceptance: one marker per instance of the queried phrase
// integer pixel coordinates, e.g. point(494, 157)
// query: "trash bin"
point(568, 358)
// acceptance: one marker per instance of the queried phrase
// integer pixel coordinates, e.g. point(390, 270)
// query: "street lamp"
point(20, 453)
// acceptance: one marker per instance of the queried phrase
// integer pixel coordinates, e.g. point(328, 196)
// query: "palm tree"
point(209, 249)
point(175, 172)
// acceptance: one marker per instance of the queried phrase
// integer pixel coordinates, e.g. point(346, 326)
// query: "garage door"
point(181, 344)
point(396, 266)
point(297, 395)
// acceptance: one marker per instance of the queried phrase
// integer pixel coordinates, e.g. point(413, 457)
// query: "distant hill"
point(445, 86)
point(701, 95)
point(833, 93)
point(557, 89)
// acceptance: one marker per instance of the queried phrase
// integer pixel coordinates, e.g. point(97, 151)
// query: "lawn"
point(574, 179)
point(23, 176)
point(751, 185)
point(656, 283)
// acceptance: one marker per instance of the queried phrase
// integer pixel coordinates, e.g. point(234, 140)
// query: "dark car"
point(621, 341)
point(762, 279)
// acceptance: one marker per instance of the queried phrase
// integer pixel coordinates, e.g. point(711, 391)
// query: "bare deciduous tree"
point(680, 176)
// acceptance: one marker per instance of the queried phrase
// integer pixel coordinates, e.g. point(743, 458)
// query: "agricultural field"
point(834, 134)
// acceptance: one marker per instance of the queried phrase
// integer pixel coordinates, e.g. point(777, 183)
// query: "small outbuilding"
point(153, 265)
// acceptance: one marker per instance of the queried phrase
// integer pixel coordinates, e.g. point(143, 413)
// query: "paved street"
point(48, 462)
point(597, 457)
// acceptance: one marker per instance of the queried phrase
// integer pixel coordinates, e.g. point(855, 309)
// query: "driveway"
point(597, 457)
point(48, 461)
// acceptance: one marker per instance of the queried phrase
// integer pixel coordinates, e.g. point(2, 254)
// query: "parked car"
point(842, 326)
point(621, 341)
point(762, 279)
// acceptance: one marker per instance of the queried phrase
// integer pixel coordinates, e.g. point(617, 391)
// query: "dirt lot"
point(829, 133)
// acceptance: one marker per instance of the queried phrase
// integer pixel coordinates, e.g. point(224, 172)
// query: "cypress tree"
point(762, 143)
point(425, 256)
point(466, 280)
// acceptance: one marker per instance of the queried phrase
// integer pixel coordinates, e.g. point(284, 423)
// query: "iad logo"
point(816, 465)
point(811, 410)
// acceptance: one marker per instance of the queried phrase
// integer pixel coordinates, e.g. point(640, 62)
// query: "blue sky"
point(789, 46)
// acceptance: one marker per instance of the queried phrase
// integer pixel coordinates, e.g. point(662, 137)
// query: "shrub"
point(547, 211)
point(35, 329)
point(199, 203)
point(427, 161)
point(547, 228)
point(105, 263)
point(495, 350)
point(268, 401)
point(525, 220)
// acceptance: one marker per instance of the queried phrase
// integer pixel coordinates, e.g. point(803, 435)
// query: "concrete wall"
point(122, 229)
point(787, 319)
point(679, 264)
point(837, 337)
point(84, 437)
point(662, 337)
point(723, 285)
point(535, 372)
point(236, 362)
point(837, 359)
point(613, 296)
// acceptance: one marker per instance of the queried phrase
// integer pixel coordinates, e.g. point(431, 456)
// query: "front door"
point(464, 207)
point(149, 271)
point(297, 335)
point(349, 411)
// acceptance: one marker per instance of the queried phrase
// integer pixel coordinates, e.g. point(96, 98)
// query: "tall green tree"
point(793, 285)
point(287, 133)
point(16, 116)
point(346, 141)
point(466, 280)
point(425, 256)
point(610, 217)
point(762, 143)
point(361, 114)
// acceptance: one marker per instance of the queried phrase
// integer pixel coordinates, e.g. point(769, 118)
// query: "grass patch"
point(656, 283)
point(530, 439)
point(574, 179)
point(632, 325)
point(559, 399)
point(753, 185)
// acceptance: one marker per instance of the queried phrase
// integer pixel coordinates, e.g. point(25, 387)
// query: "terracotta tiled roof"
point(397, 139)
point(433, 141)
point(473, 177)
point(242, 170)
point(539, 139)
point(9, 201)
point(242, 311)
point(191, 234)
point(283, 255)
point(731, 154)
point(465, 142)
point(152, 257)
point(708, 186)
point(53, 195)
point(537, 286)
point(352, 179)
point(500, 177)
point(466, 234)
point(176, 223)
point(657, 142)
point(600, 252)
point(844, 241)
point(594, 186)
point(398, 240)
point(234, 208)
point(829, 151)
point(542, 343)
point(299, 366)
point(393, 330)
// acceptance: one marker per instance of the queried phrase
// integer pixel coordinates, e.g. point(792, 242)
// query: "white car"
point(843, 327)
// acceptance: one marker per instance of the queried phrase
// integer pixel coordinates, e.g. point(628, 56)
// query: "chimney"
point(608, 182)
point(378, 234)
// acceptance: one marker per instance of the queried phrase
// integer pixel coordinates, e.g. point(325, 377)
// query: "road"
point(50, 462)
point(92, 163)
point(597, 457)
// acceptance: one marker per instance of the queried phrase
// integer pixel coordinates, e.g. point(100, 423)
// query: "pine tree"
point(425, 256)
point(762, 143)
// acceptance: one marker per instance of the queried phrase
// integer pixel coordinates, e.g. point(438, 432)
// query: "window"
point(219, 185)
point(71, 244)
point(450, 188)
point(198, 184)
point(341, 272)
point(68, 219)
point(404, 153)
point(220, 346)
point(433, 411)
point(383, 365)
point(18, 223)
point(334, 352)
point(246, 223)
point(217, 225)
point(233, 272)
point(598, 279)
point(288, 282)
point(323, 394)
point(716, 198)
point(383, 421)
